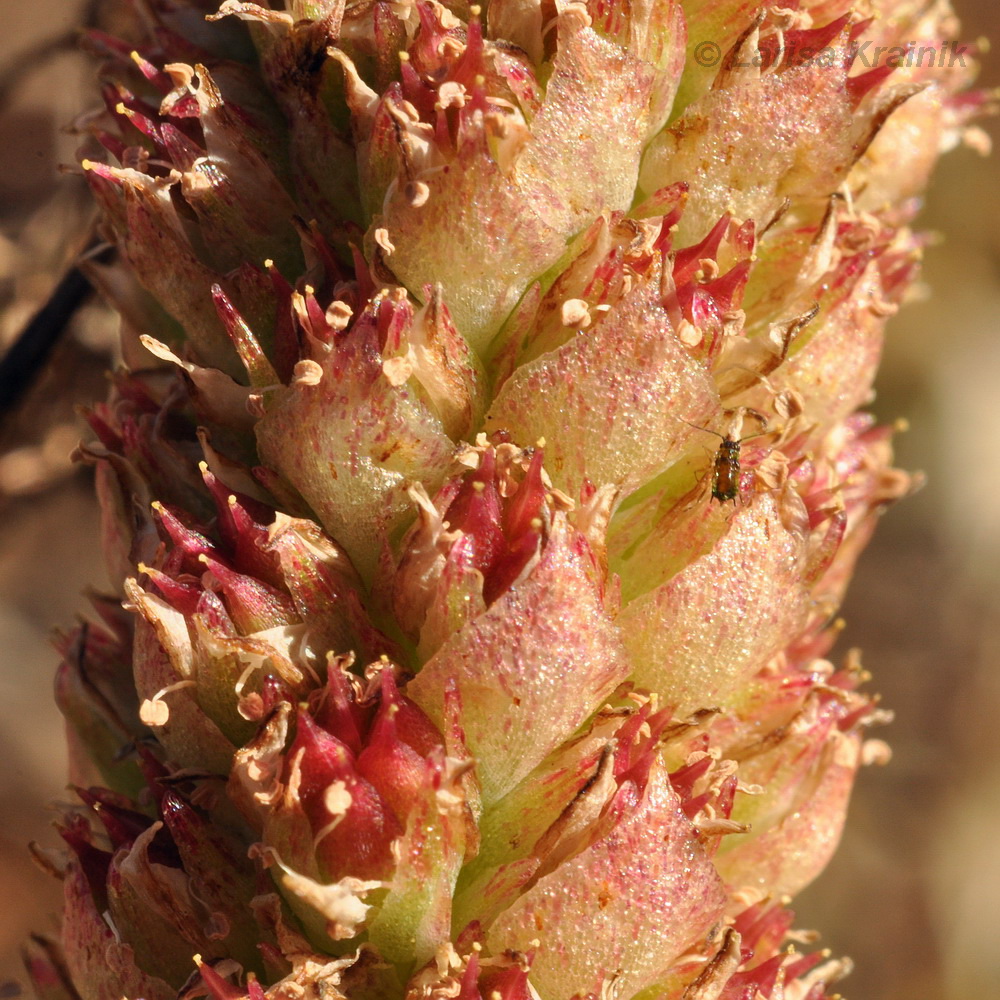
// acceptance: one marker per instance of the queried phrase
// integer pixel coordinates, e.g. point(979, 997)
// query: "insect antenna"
point(698, 427)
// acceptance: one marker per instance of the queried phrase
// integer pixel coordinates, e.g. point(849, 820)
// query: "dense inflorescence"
point(446, 667)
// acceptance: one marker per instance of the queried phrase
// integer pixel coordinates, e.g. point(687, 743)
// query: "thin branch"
point(27, 355)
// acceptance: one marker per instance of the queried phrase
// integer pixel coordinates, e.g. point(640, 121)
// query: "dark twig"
point(27, 355)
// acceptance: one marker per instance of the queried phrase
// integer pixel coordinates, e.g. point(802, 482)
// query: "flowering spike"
point(484, 655)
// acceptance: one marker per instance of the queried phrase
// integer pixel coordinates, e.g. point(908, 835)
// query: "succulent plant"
point(458, 657)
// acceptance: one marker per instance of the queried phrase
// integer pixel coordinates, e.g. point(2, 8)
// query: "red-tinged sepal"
point(799, 117)
point(751, 576)
point(511, 982)
point(339, 706)
point(394, 757)
point(415, 915)
point(482, 536)
point(495, 663)
point(244, 211)
point(618, 892)
point(150, 231)
point(752, 962)
point(95, 693)
point(259, 370)
point(352, 824)
point(92, 862)
point(44, 962)
point(215, 861)
point(800, 741)
point(425, 349)
point(122, 824)
point(252, 605)
point(350, 441)
point(97, 958)
point(597, 396)
point(154, 909)
point(216, 986)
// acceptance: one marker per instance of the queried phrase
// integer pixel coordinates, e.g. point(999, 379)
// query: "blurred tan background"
point(913, 894)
